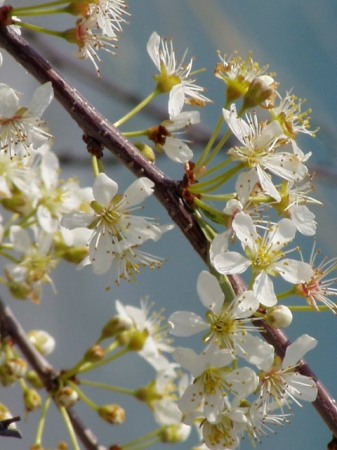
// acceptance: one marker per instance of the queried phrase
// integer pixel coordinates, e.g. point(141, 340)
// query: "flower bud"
point(260, 90)
point(279, 316)
point(33, 379)
point(32, 399)
point(146, 151)
point(113, 414)
point(95, 353)
point(42, 341)
point(16, 367)
point(66, 397)
point(175, 433)
point(115, 326)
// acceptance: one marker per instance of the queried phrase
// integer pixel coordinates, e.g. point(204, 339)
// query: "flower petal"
point(210, 292)
point(185, 323)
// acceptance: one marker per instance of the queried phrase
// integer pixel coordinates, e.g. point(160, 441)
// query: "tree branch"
point(10, 325)
point(97, 127)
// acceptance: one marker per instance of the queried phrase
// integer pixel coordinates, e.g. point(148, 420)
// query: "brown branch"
point(96, 126)
point(9, 325)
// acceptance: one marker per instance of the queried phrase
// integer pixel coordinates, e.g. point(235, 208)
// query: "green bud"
point(146, 151)
point(113, 414)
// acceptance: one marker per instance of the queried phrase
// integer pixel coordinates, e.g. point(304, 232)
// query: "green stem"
point(138, 108)
point(69, 427)
point(102, 362)
point(108, 387)
point(218, 147)
point(214, 169)
point(308, 308)
point(211, 141)
point(218, 197)
point(41, 13)
point(212, 213)
point(214, 183)
point(42, 422)
point(131, 134)
point(143, 441)
point(82, 396)
point(41, 5)
point(37, 29)
point(95, 165)
point(285, 294)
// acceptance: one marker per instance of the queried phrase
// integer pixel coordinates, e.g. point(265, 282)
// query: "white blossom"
point(21, 128)
point(174, 77)
point(115, 229)
point(259, 151)
point(264, 255)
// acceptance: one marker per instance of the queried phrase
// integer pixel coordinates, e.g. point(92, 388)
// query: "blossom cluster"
point(240, 386)
point(53, 218)
point(237, 386)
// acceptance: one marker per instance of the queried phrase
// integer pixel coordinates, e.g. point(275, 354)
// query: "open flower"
point(21, 128)
point(264, 255)
point(114, 227)
point(165, 136)
point(174, 77)
point(280, 382)
point(227, 323)
point(260, 151)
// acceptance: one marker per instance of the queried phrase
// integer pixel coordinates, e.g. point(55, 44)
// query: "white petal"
point(176, 100)
point(104, 189)
point(264, 290)
point(298, 349)
point(47, 222)
point(185, 323)
point(42, 97)
point(20, 239)
point(182, 120)
point(138, 191)
point(267, 184)
point(258, 352)
point(247, 304)
point(210, 292)
point(245, 230)
point(77, 220)
point(230, 263)
point(245, 183)
point(237, 125)
point(213, 406)
point(294, 271)
point(9, 101)
point(269, 134)
point(50, 170)
point(286, 165)
point(243, 381)
point(153, 48)
point(303, 219)
point(177, 150)
point(281, 234)
point(219, 245)
point(191, 398)
point(302, 387)
point(185, 357)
